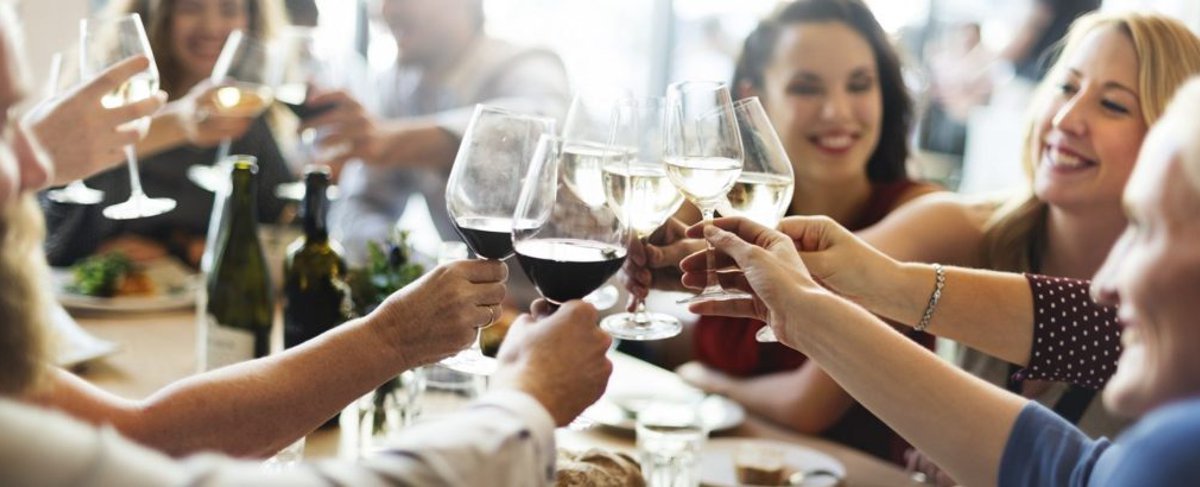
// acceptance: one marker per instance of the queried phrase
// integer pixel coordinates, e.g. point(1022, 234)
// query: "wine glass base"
point(470, 362)
point(716, 295)
point(207, 178)
point(765, 335)
point(74, 195)
point(139, 207)
point(657, 326)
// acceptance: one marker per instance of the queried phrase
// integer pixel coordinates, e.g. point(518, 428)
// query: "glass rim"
point(508, 112)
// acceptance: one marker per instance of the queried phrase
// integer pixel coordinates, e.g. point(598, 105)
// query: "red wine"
point(488, 237)
point(563, 269)
point(306, 112)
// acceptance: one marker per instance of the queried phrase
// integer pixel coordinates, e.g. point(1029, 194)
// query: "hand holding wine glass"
point(703, 154)
point(482, 193)
point(60, 82)
point(103, 43)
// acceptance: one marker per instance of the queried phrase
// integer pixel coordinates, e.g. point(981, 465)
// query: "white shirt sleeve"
point(506, 438)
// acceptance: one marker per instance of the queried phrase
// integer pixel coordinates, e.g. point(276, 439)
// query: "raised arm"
point(254, 408)
point(962, 422)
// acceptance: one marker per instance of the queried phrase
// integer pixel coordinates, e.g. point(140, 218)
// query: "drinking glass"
point(242, 79)
point(567, 247)
point(61, 80)
point(670, 437)
point(299, 68)
point(704, 156)
point(482, 192)
point(763, 192)
point(588, 129)
point(104, 42)
point(638, 189)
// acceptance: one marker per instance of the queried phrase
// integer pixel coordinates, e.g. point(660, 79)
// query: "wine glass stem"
point(710, 255)
point(477, 345)
point(135, 179)
point(223, 149)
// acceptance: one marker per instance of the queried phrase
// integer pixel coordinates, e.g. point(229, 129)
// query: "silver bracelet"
point(939, 283)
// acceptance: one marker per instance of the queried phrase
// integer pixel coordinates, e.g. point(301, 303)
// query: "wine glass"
point(566, 246)
point(588, 132)
point(61, 80)
point(103, 43)
point(482, 192)
point(763, 192)
point(704, 156)
point(638, 189)
point(242, 80)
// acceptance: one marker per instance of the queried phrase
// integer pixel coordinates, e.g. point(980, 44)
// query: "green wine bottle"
point(316, 296)
point(240, 307)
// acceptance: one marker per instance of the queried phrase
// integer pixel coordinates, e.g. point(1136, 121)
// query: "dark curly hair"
point(887, 162)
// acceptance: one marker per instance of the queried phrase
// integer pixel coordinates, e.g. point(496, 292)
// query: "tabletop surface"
point(158, 348)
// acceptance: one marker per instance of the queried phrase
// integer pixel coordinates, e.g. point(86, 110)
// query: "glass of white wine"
point(64, 76)
point(763, 192)
point(104, 42)
point(243, 80)
point(704, 156)
point(638, 189)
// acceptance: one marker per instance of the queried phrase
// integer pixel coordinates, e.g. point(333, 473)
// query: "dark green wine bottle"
point(240, 308)
point(316, 296)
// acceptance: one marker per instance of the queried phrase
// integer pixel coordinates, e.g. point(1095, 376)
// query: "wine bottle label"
point(226, 345)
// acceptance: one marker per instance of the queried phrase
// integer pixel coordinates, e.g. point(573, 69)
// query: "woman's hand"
point(838, 259)
point(202, 123)
point(768, 267)
point(438, 314)
point(654, 264)
point(79, 135)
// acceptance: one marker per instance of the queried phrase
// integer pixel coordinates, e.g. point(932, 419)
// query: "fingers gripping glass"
point(103, 43)
point(637, 188)
point(481, 196)
point(63, 77)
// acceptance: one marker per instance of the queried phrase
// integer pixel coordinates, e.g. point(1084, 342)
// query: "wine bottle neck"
point(315, 212)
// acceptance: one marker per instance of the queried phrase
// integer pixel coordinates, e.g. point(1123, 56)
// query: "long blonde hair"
point(265, 18)
point(1168, 54)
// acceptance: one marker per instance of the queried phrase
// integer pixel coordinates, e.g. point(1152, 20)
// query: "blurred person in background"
point(960, 68)
point(186, 37)
point(1033, 48)
point(831, 84)
point(447, 63)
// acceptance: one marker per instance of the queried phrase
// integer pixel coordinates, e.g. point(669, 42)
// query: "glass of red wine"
point(481, 195)
point(566, 246)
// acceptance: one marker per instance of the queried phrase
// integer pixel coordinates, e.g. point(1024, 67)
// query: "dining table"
point(157, 348)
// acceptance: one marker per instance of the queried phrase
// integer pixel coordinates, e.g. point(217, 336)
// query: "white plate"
point(75, 345)
point(719, 413)
point(176, 286)
point(717, 461)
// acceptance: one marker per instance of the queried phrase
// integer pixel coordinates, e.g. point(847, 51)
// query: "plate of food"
point(755, 462)
point(620, 410)
point(111, 282)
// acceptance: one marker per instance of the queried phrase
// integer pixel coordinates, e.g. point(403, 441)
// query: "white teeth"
point(836, 141)
point(1062, 159)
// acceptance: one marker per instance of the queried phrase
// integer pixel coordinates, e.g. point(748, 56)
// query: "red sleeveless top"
point(728, 345)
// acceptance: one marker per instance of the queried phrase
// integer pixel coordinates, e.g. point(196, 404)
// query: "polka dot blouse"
point(1075, 340)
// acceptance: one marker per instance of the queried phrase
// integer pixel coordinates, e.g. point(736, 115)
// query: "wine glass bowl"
point(763, 191)
point(103, 43)
point(568, 247)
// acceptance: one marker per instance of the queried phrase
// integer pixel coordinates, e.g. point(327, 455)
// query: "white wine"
point(242, 99)
point(758, 196)
point(141, 86)
point(582, 168)
point(703, 179)
point(641, 195)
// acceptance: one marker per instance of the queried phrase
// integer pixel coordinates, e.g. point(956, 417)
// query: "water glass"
point(288, 457)
point(392, 406)
point(670, 437)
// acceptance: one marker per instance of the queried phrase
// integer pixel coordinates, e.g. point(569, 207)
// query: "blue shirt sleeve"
point(1163, 449)
point(1045, 450)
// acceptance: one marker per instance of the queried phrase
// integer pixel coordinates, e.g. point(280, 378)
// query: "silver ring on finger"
point(491, 317)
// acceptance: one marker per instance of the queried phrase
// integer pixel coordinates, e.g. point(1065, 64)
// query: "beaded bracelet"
point(939, 283)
